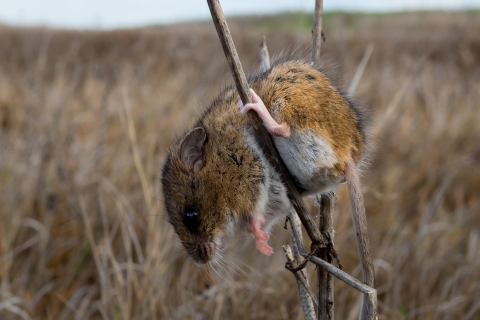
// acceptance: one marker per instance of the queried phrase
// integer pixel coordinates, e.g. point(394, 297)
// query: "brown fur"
point(225, 188)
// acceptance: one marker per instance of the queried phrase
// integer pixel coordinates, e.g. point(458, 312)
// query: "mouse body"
point(216, 180)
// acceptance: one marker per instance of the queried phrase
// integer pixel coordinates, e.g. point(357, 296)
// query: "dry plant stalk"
point(264, 56)
point(325, 285)
point(303, 286)
point(361, 234)
point(317, 33)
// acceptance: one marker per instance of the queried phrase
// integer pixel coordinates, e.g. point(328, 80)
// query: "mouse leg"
point(261, 236)
point(257, 105)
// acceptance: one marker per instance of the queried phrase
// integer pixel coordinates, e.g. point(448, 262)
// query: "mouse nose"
point(205, 251)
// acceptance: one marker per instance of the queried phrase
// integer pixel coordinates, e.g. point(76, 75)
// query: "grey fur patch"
point(308, 157)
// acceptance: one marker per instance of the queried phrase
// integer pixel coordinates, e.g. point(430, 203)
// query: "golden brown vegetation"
point(86, 118)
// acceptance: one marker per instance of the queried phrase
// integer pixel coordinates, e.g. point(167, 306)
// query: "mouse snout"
point(205, 250)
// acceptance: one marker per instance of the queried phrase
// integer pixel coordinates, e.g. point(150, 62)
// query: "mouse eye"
point(191, 219)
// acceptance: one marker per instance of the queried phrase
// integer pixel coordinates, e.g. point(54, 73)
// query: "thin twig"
point(361, 232)
point(342, 275)
point(264, 56)
point(324, 278)
point(301, 275)
point(306, 295)
point(296, 230)
point(317, 33)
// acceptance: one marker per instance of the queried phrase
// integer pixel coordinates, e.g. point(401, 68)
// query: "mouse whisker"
point(234, 267)
point(211, 264)
point(223, 267)
point(221, 261)
point(205, 270)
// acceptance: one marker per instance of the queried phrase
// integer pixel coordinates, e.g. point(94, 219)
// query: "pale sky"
point(109, 14)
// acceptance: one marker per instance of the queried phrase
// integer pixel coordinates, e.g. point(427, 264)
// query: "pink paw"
point(264, 248)
point(260, 235)
point(257, 105)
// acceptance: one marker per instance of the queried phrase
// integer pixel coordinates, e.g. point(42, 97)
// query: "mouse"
point(216, 181)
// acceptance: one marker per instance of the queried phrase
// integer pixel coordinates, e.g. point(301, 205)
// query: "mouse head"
point(195, 197)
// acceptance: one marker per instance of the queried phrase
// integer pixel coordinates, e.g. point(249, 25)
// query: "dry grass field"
point(86, 118)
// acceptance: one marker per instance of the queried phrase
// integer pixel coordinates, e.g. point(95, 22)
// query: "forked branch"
point(369, 293)
point(307, 297)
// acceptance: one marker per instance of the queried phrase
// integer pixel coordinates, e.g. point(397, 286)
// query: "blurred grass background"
point(86, 118)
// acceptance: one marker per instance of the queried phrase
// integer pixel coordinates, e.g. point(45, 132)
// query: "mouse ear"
point(192, 149)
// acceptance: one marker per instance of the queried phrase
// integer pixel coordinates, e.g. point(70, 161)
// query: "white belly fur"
point(308, 157)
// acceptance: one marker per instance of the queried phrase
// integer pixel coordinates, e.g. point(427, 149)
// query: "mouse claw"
point(264, 248)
